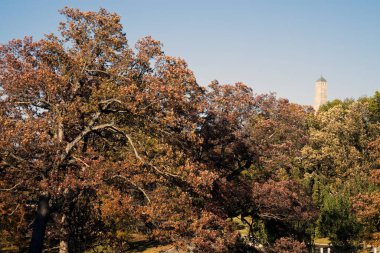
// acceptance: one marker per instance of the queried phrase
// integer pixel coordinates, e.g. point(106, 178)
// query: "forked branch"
point(134, 185)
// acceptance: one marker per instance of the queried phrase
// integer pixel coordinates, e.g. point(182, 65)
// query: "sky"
point(280, 46)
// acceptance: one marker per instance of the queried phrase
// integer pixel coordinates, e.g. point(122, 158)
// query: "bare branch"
point(149, 105)
point(135, 185)
point(50, 249)
point(99, 71)
point(81, 161)
point(14, 210)
point(109, 101)
point(72, 144)
point(89, 128)
point(16, 157)
point(38, 103)
point(274, 216)
point(164, 173)
point(102, 126)
point(13, 187)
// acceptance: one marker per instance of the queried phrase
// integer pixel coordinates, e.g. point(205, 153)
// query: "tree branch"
point(176, 179)
point(13, 187)
point(165, 173)
point(14, 210)
point(38, 103)
point(133, 184)
point(87, 130)
point(81, 161)
point(275, 217)
point(107, 102)
point(99, 71)
point(18, 158)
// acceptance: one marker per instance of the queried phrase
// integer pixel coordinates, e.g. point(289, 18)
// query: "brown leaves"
point(147, 49)
point(275, 134)
point(289, 245)
point(339, 141)
point(124, 140)
point(213, 234)
point(367, 204)
point(284, 201)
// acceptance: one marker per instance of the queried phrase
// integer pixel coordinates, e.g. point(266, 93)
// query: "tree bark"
point(63, 245)
point(39, 225)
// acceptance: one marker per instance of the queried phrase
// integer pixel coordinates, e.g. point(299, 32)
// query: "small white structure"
point(328, 250)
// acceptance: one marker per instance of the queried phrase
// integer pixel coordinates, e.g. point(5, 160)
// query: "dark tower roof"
point(321, 79)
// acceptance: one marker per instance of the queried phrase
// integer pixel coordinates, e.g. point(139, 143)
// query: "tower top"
point(322, 79)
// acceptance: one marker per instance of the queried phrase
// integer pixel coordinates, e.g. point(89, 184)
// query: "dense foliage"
point(101, 142)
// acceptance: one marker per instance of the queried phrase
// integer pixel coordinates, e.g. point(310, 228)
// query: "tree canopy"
point(101, 142)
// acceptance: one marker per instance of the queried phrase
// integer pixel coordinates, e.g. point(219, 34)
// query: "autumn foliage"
point(100, 142)
point(289, 245)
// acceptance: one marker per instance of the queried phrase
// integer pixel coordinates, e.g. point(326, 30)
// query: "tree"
point(366, 204)
point(275, 134)
point(338, 222)
point(228, 108)
point(374, 107)
point(336, 102)
point(252, 138)
point(284, 207)
point(99, 126)
point(341, 154)
point(339, 141)
point(289, 245)
point(100, 141)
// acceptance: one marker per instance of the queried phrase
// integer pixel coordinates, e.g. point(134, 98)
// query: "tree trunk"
point(63, 247)
point(39, 225)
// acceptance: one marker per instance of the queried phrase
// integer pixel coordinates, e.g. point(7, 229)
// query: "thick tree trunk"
point(39, 225)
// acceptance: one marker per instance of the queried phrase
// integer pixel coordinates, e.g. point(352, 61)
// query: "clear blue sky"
point(271, 45)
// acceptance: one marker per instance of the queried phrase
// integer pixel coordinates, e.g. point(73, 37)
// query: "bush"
point(288, 245)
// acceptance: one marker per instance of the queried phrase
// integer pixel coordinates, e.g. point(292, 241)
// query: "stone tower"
point(320, 93)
